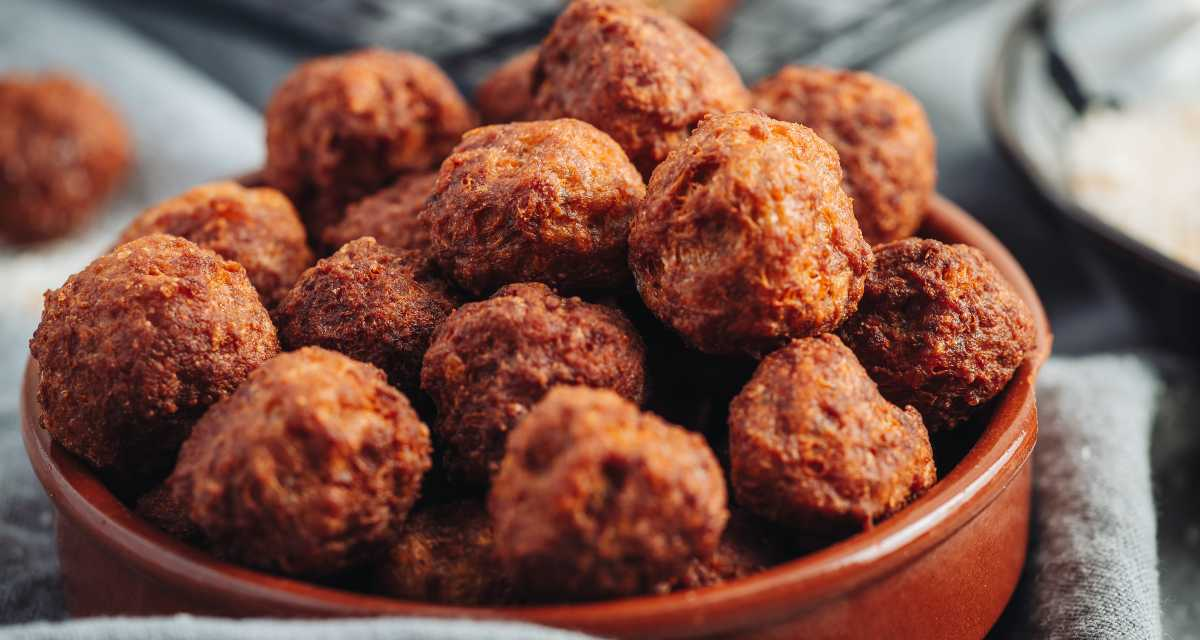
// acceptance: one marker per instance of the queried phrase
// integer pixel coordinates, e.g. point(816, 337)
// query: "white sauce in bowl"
point(1138, 169)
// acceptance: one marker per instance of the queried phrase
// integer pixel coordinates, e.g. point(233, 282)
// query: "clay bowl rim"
point(996, 458)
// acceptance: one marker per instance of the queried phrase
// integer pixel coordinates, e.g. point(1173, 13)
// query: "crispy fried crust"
point(637, 73)
point(814, 446)
point(256, 228)
point(747, 547)
point(745, 238)
point(445, 554)
point(881, 134)
point(367, 302)
point(507, 94)
point(595, 499)
point(939, 328)
point(492, 360)
point(137, 345)
point(309, 468)
point(340, 128)
point(162, 508)
point(389, 216)
point(63, 150)
point(534, 201)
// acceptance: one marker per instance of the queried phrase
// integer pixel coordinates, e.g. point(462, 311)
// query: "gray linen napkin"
point(183, 627)
point(1094, 560)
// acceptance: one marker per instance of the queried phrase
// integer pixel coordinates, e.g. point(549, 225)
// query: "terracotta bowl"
point(945, 567)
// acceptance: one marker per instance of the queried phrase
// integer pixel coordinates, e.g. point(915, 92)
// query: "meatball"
point(814, 446)
point(136, 346)
point(63, 150)
point(445, 554)
point(595, 499)
point(507, 94)
point(637, 73)
point(746, 548)
point(309, 468)
point(340, 128)
point(365, 301)
point(881, 134)
point(257, 228)
point(492, 360)
point(389, 216)
point(162, 508)
point(939, 329)
point(745, 238)
point(534, 201)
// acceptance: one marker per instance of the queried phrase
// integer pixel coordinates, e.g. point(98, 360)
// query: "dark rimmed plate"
point(1029, 115)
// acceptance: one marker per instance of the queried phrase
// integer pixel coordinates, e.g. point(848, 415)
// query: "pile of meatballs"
point(649, 331)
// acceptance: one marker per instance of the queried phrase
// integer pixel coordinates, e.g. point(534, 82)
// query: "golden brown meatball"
point(340, 128)
point(365, 301)
point(637, 73)
point(389, 216)
point(881, 134)
point(745, 238)
point(595, 499)
point(507, 94)
point(257, 228)
point(309, 468)
point(534, 201)
point(162, 508)
point(137, 345)
point(492, 360)
point(445, 554)
point(814, 446)
point(939, 328)
point(63, 150)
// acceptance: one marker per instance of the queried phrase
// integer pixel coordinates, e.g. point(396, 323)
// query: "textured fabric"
point(190, 628)
point(1094, 558)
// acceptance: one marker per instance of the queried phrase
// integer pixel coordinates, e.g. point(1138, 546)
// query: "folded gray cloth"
point(1094, 560)
point(185, 627)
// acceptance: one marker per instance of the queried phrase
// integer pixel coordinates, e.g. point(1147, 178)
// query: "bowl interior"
point(992, 452)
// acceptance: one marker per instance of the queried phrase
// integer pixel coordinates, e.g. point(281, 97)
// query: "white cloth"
point(185, 627)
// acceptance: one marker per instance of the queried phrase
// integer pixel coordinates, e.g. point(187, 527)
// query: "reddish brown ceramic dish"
point(944, 567)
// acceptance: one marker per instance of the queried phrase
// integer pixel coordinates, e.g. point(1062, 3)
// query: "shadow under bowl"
point(944, 567)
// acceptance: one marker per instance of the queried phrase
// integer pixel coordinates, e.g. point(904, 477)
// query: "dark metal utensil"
point(1059, 69)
